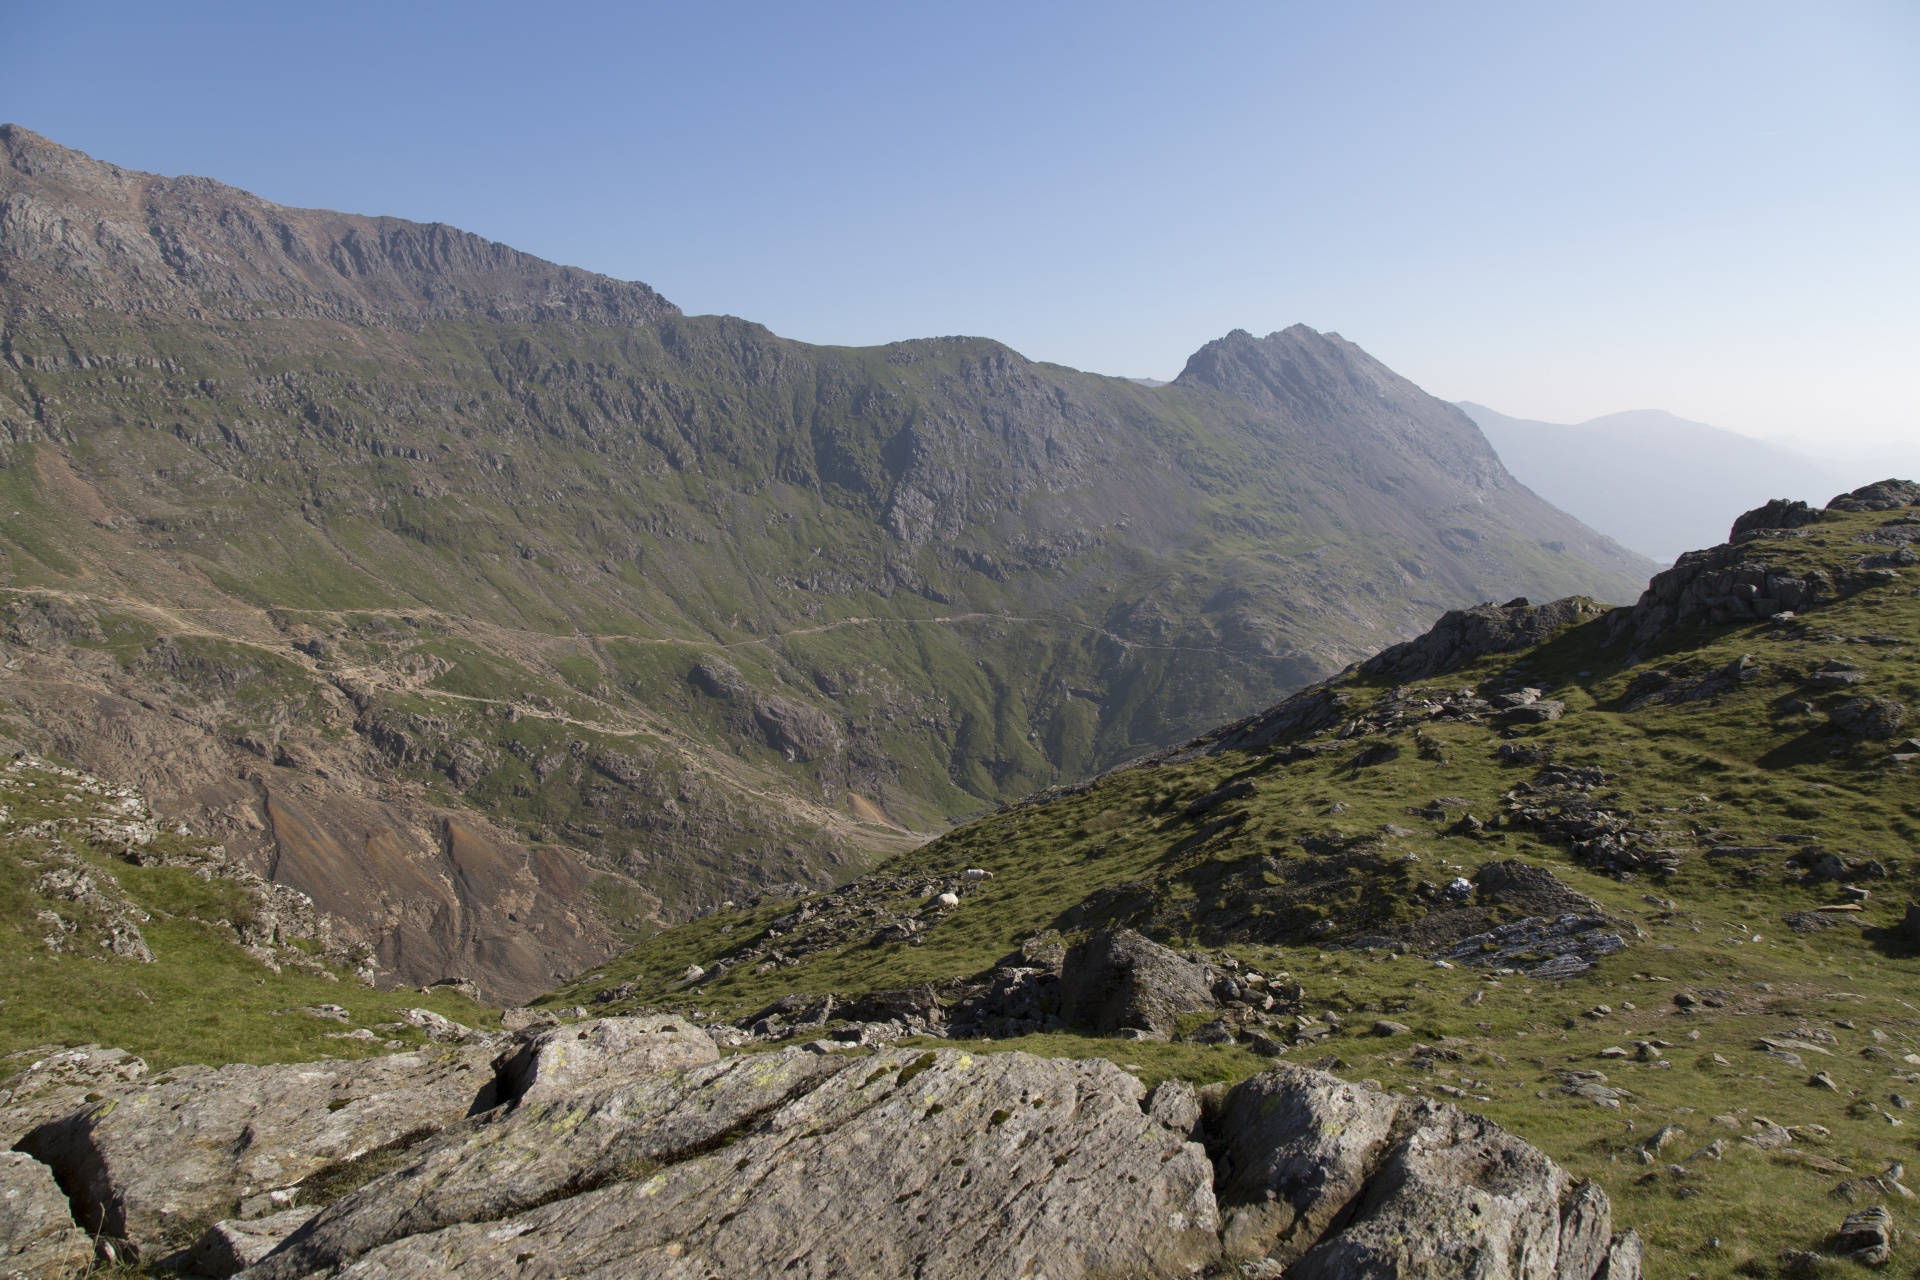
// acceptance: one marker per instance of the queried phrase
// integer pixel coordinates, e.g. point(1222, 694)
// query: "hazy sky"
point(1559, 210)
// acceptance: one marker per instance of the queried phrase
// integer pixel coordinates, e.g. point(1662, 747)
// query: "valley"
point(511, 614)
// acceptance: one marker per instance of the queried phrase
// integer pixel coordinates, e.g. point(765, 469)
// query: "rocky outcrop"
point(946, 1165)
point(234, 1244)
point(1463, 635)
point(38, 1240)
point(1779, 513)
point(1455, 1195)
point(1876, 718)
point(1294, 1151)
point(1410, 1188)
point(806, 1161)
point(938, 1164)
point(599, 1053)
point(1735, 582)
point(55, 1081)
point(158, 1157)
point(1882, 495)
point(1729, 583)
point(1119, 981)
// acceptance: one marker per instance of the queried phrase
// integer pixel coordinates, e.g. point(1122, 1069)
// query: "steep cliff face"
point(337, 533)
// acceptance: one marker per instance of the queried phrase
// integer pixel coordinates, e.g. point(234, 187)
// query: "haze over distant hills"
point(1653, 481)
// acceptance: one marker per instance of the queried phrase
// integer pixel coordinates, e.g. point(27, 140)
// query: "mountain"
point(1653, 481)
point(509, 613)
point(1635, 883)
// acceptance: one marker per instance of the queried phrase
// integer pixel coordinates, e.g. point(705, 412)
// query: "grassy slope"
point(1746, 766)
point(203, 999)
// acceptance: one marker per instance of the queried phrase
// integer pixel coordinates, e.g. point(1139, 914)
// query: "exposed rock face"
point(38, 1240)
point(1735, 583)
point(1120, 981)
point(153, 244)
point(183, 1147)
point(234, 1244)
point(53, 1086)
point(1417, 1188)
point(800, 731)
point(1882, 495)
point(1780, 513)
point(946, 1165)
point(1877, 718)
point(939, 1165)
point(1729, 583)
point(1868, 1236)
point(1455, 1196)
point(1296, 1149)
point(599, 1053)
point(1462, 635)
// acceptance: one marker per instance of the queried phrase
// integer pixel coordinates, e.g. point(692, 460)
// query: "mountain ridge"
point(423, 603)
point(166, 243)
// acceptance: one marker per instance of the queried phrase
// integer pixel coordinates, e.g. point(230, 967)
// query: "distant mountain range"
point(1663, 485)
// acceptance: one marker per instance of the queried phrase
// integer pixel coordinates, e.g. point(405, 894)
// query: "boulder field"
point(631, 1147)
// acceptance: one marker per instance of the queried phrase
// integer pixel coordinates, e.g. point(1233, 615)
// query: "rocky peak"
point(76, 230)
point(1322, 388)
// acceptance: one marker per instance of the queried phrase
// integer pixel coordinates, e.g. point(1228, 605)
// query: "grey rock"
point(1463, 635)
point(1898, 558)
point(1175, 1104)
point(1624, 1257)
point(528, 1019)
point(1455, 1195)
point(1868, 1236)
point(1586, 1226)
point(944, 1164)
point(182, 1147)
point(38, 1239)
point(800, 731)
point(1296, 1148)
point(1118, 980)
point(1733, 582)
point(1909, 927)
point(1780, 513)
point(600, 1053)
point(1215, 1032)
point(1538, 712)
point(1540, 947)
point(58, 1083)
point(435, 1026)
point(231, 1246)
point(1876, 718)
point(941, 1164)
point(1882, 495)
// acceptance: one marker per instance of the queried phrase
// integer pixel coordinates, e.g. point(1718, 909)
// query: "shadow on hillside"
point(1817, 744)
point(1899, 941)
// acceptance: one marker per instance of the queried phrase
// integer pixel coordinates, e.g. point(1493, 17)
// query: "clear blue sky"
point(1558, 209)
